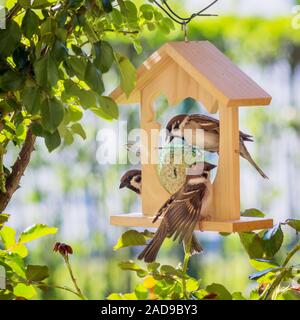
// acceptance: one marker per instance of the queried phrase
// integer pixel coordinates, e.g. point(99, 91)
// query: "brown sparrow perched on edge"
point(132, 180)
point(183, 210)
point(211, 127)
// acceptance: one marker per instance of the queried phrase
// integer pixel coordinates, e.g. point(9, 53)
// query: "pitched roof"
point(208, 66)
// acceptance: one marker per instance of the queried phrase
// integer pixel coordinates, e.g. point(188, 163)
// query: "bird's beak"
point(169, 138)
point(209, 166)
point(122, 185)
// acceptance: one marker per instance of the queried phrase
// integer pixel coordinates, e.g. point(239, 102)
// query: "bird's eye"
point(138, 179)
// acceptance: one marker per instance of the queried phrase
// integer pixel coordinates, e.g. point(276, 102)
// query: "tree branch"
point(18, 169)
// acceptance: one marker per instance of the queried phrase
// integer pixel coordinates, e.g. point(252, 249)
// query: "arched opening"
point(175, 157)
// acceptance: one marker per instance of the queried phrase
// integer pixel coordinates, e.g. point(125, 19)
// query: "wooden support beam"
point(227, 183)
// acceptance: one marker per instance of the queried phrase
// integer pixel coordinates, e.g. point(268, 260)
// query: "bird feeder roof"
point(208, 66)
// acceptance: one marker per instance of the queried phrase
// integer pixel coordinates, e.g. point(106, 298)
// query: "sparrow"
point(183, 210)
point(211, 127)
point(132, 180)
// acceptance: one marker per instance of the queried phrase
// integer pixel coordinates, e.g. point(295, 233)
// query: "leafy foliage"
point(53, 56)
point(275, 280)
point(22, 280)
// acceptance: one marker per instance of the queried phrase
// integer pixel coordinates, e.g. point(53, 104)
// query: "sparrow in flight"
point(132, 180)
point(183, 210)
point(211, 126)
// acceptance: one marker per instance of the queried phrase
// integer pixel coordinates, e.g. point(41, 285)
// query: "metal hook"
point(185, 31)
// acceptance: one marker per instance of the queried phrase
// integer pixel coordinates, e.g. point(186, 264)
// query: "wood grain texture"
point(226, 186)
point(198, 70)
point(208, 66)
point(176, 85)
point(241, 225)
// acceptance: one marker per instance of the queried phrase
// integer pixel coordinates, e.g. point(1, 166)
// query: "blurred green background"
point(69, 189)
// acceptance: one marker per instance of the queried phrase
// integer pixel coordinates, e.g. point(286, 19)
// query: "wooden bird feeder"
point(198, 70)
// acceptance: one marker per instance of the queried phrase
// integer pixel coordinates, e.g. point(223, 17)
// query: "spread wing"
point(210, 123)
point(184, 211)
point(165, 207)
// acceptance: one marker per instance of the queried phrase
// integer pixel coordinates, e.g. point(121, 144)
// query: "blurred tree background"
point(69, 189)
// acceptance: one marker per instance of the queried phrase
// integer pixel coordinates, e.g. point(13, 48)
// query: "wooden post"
point(227, 182)
point(153, 194)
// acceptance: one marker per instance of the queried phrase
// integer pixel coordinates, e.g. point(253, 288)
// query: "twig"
point(183, 20)
point(66, 258)
point(2, 174)
point(291, 254)
point(122, 31)
point(13, 12)
point(186, 260)
point(273, 287)
point(18, 169)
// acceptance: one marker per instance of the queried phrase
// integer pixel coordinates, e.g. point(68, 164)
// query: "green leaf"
point(238, 296)
point(254, 295)
point(130, 265)
point(129, 10)
point(257, 275)
point(52, 140)
point(272, 240)
point(153, 266)
point(77, 66)
point(46, 71)
point(26, 4)
point(30, 24)
point(107, 6)
point(74, 113)
point(48, 31)
point(117, 18)
point(93, 78)
point(9, 38)
point(262, 264)
point(109, 106)
point(59, 51)
point(170, 270)
point(127, 74)
point(104, 56)
point(252, 244)
point(11, 81)
point(16, 263)
point(40, 4)
point(78, 129)
point(192, 284)
point(52, 112)
point(31, 98)
point(119, 296)
point(7, 235)
point(6, 295)
point(220, 290)
point(147, 11)
point(22, 290)
point(99, 112)
point(36, 231)
point(130, 238)
point(36, 273)
point(295, 224)
point(37, 129)
point(141, 292)
point(253, 213)
point(290, 295)
point(3, 219)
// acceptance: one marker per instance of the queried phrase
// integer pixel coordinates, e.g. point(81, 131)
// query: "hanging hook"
point(185, 31)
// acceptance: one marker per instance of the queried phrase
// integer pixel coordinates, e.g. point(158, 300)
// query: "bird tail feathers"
point(195, 245)
point(246, 155)
point(150, 252)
